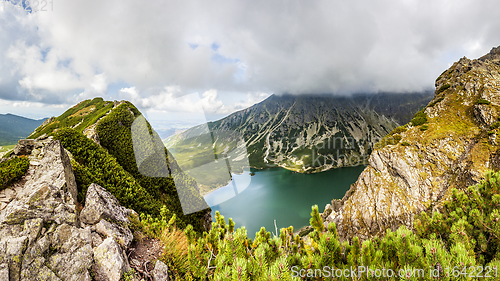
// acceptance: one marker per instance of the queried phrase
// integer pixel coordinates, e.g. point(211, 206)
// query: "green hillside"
point(14, 128)
point(112, 163)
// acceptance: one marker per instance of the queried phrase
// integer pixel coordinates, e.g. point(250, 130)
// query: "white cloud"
point(209, 102)
point(252, 98)
point(172, 99)
point(81, 47)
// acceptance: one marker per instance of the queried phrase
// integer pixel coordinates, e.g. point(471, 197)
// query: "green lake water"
point(279, 194)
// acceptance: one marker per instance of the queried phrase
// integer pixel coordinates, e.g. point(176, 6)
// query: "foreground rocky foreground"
point(44, 236)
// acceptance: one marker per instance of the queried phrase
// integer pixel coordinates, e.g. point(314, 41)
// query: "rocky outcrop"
point(44, 237)
point(50, 169)
point(453, 149)
point(101, 205)
point(91, 133)
point(24, 147)
point(48, 121)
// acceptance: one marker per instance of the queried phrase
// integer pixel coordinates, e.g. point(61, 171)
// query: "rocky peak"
point(452, 144)
point(43, 236)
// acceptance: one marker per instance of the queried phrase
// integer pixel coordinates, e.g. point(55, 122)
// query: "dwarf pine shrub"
point(12, 170)
point(462, 237)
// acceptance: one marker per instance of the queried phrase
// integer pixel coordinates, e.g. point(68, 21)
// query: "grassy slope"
point(112, 165)
point(6, 148)
point(78, 117)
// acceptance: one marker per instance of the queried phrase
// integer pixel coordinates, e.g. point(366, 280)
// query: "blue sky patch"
point(222, 59)
point(215, 46)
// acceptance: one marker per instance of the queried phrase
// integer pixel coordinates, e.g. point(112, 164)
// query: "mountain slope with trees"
point(14, 128)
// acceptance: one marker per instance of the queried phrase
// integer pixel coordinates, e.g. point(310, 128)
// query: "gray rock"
point(485, 115)
point(48, 192)
point(91, 133)
point(96, 240)
point(54, 169)
point(100, 204)
point(40, 248)
point(11, 252)
point(68, 239)
point(24, 147)
point(4, 271)
point(45, 202)
point(37, 270)
point(121, 234)
point(160, 272)
point(32, 229)
point(110, 263)
point(42, 137)
point(72, 266)
point(6, 196)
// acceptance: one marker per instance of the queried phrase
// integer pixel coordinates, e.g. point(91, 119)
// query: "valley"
point(304, 134)
point(14, 128)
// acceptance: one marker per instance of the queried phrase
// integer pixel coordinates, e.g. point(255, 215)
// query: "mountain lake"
point(279, 194)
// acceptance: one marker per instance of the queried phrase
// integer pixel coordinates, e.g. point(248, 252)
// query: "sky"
point(184, 61)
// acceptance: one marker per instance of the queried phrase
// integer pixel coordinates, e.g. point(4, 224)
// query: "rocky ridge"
point(44, 236)
point(454, 148)
point(108, 123)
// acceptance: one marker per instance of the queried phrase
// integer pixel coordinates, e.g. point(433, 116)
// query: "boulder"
point(24, 147)
point(100, 204)
point(110, 263)
point(122, 235)
point(160, 272)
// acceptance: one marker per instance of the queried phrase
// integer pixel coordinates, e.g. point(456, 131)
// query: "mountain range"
point(14, 128)
point(302, 133)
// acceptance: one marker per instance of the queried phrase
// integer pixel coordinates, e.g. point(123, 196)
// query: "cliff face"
point(451, 144)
